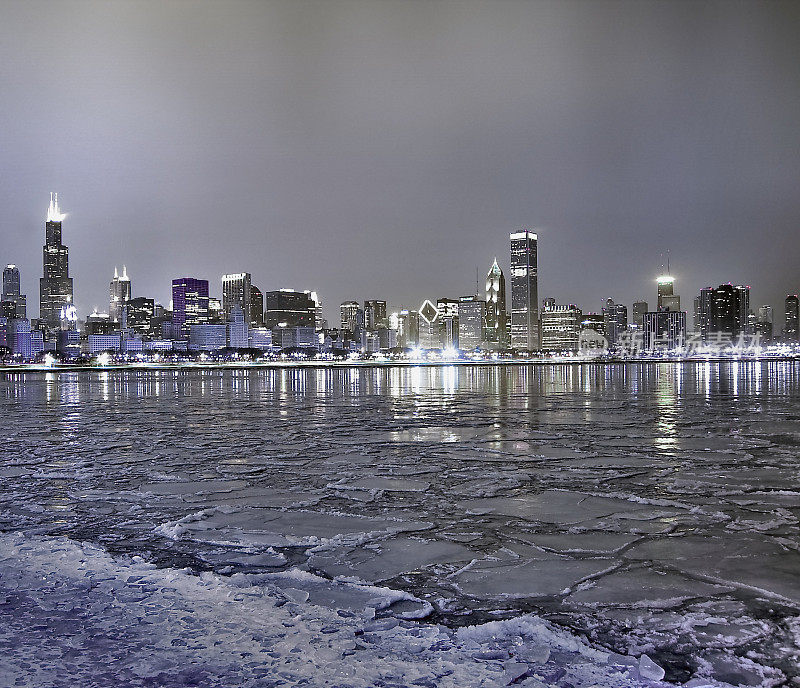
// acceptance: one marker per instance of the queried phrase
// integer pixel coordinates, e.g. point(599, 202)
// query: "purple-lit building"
point(189, 303)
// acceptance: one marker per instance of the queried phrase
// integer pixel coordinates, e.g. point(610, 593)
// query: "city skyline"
point(411, 140)
point(663, 283)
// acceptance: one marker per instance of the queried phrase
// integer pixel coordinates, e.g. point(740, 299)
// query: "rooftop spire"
point(54, 213)
point(116, 274)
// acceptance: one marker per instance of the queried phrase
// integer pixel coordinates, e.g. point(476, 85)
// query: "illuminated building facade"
point(561, 326)
point(288, 308)
point(119, 293)
point(11, 291)
point(524, 291)
point(236, 291)
point(496, 315)
point(790, 327)
point(189, 304)
point(55, 286)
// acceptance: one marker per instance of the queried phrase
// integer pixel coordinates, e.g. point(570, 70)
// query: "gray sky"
point(385, 149)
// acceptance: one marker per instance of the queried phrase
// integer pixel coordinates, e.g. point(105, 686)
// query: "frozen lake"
point(645, 508)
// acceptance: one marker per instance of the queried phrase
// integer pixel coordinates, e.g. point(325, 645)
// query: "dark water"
point(650, 507)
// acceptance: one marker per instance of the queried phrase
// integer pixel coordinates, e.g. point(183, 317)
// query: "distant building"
point(560, 327)
point(208, 337)
point(667, 299)
point(288, 308)
point(18, 334)
point(375, 315)
point(303, 337)
point(11, 291)
point(664, 330)
point(524, 290)
point(724, 311)
point(119, 293)
point(429, 326)
point(790, 328)
point(260, 338)
point(256, 307)
point(99, 343)
point(238, 329)
point(351, 317)
point(99, 323)
point(236, 291)
point(615, 320)
point(472, 327)
point(55, 287)
point(408, 328)
point(140, 314)
point(496, 315)
point(639, 311)
point(189, 304)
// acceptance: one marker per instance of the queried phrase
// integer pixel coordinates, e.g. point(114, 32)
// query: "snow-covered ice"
point(556, 525)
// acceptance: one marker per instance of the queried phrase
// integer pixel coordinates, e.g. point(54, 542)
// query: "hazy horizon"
point(385, 150)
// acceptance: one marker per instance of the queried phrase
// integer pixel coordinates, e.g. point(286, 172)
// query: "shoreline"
point(281, 365)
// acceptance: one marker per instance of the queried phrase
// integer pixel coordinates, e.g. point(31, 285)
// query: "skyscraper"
point(724, 310)
point(189, 303)
point(256, 307)
point(236, 291)
point(667, 300)
point(289, 308)
point(524, 291)
point(375, 315)
point(615, 320)
point(790, 328)
point(496, 319)
point(561, 327)
point(11, 291)
point(119, 293)
point(471, 322)
point(352, 317)
point(55, 287)
point(639, 311)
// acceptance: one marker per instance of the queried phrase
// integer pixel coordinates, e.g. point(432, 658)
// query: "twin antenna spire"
point(54, 213)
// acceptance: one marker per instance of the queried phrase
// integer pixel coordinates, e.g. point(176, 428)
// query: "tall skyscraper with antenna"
point(55, 286)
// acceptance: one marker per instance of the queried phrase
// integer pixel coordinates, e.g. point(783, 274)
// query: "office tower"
point(238, 329)
point(256, 307)
point(639, 311)
point(189, 304)
point(790, 328)
point(561, 326)
point(289, 308)
point(408, 328)
point(55, 287)
point(216, 314)
point(11, 291)
point(667, 299)
point(615, 320)
point(375, 315)
point(236, 291)
point(428, 325)
point(724, 311)
point(664, 329)
point(763, 325)
point(8, 310)
point(140, 315)
point(524, 291)
point(496, 332)
point(119, 293)
point(19, 337)
point(352, 317)
point(472, 328)
point(702, 316)
point(445, 307)
point(594, 322)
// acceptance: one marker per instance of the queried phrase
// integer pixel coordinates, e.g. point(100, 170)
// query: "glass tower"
point(524, 291)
